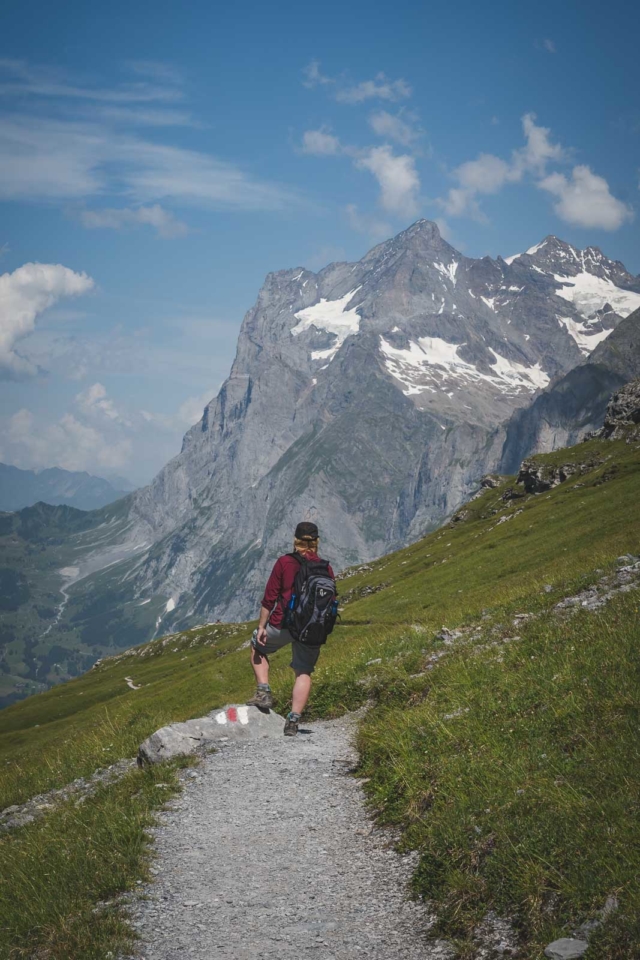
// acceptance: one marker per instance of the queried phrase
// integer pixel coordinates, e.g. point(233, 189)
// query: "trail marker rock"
point(234, 722)
point(566, 949)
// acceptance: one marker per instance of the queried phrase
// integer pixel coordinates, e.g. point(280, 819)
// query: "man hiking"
point(299, 607)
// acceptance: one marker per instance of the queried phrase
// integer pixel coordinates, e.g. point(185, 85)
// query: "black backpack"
point(311, 613)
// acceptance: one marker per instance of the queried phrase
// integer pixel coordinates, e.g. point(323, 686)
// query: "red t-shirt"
point(279, 586)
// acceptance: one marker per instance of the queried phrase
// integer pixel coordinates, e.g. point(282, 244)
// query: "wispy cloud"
point(69, 160)
point(549, 46)
point(164, 222)
point(18, 77)
point(60, 149)
point(344, 90)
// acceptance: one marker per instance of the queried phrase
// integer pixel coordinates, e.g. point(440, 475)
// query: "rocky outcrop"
point(232, 723)
point(537, 477)
point(622, 419)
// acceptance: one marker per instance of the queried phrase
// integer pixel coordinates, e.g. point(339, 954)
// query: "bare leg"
point(301, 691)
point(260, 664)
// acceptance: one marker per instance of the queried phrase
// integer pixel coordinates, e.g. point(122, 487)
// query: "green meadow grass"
point(552, 714)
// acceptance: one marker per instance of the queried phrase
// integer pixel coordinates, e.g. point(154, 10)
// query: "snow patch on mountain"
point(333, 317)
point(590, 293)
point(431, 362)
point(583, 334)
point(449, 271)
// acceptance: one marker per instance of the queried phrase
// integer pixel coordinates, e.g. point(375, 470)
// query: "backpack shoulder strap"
point(296, 556)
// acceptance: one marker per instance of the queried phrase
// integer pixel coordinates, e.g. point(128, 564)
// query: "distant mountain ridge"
point(22, 488)
point(370, 397)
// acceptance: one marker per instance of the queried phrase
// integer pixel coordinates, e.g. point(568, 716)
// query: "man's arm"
point(261, 636)
point(271, 594)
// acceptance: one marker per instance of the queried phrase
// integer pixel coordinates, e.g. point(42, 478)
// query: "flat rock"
point(566, 949)
point(235, 722)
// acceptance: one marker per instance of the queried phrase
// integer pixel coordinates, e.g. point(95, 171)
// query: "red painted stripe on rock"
point(232, 715)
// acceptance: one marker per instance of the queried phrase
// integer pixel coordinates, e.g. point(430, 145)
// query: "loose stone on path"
point(268, 854)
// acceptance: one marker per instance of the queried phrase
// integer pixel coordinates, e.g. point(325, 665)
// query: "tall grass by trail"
point(524, 801)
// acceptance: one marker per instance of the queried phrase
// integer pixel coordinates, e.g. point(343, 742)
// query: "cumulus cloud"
point(67, 443)
point(320, 143)
point(394, 127)
point(488, 174)
point(585, 200)
point(163, 221)
point(537, 151)
point(24, 295)
point(398, 179)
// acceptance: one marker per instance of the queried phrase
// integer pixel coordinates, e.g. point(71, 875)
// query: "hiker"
point(299, 607)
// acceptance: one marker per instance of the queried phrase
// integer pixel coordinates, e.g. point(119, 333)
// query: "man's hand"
point(261, 636)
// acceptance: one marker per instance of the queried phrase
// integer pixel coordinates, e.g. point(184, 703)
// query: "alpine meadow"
point(319, 481)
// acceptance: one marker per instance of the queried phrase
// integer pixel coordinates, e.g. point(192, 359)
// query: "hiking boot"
point(263, 699)
point(290, 727)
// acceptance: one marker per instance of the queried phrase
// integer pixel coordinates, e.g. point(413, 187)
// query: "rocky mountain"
point(576, 403)
point(369, 396)
point(23, 488)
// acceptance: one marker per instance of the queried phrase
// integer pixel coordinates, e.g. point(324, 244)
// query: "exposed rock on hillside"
point(622, 419)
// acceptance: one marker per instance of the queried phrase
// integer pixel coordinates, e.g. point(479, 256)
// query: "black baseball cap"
point(306, 531)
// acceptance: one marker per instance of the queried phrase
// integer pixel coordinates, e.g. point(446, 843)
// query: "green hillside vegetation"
point(35, 544)
point(504, 748)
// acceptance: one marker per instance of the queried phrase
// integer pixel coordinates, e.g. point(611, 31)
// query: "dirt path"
point(269, 854)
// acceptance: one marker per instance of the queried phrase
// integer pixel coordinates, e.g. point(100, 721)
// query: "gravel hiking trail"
point(269, 853)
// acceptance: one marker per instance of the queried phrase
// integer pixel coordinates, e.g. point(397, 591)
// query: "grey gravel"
point(269, 853)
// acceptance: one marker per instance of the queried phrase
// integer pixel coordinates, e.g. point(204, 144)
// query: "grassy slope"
point(525, 801)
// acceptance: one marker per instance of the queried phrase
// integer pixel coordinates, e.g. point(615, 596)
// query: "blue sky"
point(158, 159)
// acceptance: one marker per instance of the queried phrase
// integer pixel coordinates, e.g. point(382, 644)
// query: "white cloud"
point(398, 179)
point(313, 75)
point(538, 150)
point(585, 200)
point(94, 402)
point(488, 174)
point(154, 216)
point(381, 88)
point(320, 143)
point(71, 160)
point(66, 443)
point(394, 127)
point(24, 294)
point(22, 79)
point(549, 46)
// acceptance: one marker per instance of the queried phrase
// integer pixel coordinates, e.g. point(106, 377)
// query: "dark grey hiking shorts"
point(303, 657)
